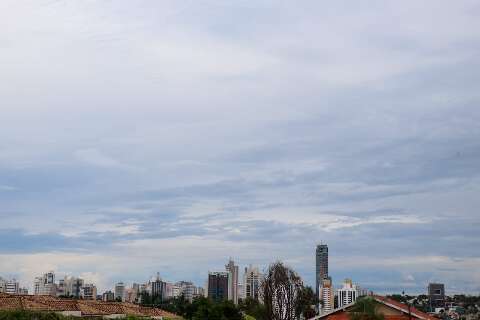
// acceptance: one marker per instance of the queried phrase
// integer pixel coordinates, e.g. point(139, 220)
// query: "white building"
point(326, 296)
point(120, 291)
point(12, 287)
point(251, 283)
point(348, 293)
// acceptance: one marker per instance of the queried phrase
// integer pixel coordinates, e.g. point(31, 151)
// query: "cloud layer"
point(137, 138)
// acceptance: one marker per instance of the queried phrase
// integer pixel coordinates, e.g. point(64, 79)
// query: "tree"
point(281, 291)
point(307, 302)
point(365, 308)
point(252, 307)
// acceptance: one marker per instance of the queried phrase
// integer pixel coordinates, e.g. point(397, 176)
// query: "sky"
point(166, 136)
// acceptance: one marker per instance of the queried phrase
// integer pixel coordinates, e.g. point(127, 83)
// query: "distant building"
point(158, 288)
point(321, 265)
point(3, 285)
point(23, 291)
point(176, 290)
point(326, 296)
point(252, 282)
point(233, 281)
point(348, 293)
point(108, 296)
point(12, 287)
point(188, 289)
point(218, 288)
point(120, 291)
point(45, 285)
point(72, 287)
point(241, 290)
point(436, 295)
point(133, 294)
point(89, 292)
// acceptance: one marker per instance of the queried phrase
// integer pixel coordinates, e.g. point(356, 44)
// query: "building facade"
point(72, 287)
point(45, 285)
point(120, 291)
point(108, 296)
point(218, 288)
point(89, 292)
point(348, 293)
point(158, 288)
point(327, 297)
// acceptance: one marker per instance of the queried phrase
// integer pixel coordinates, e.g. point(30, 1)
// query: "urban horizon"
point(337, 282)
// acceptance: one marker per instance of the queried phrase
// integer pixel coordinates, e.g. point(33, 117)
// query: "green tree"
point(365, 309)
point(253, 308)
point(306, 303)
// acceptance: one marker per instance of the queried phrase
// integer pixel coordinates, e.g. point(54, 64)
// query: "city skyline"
point(233, 292)
point(167, 136)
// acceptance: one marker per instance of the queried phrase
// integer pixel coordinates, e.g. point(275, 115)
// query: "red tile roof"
point(404, 308)
point(342, 313)
point(86, 307)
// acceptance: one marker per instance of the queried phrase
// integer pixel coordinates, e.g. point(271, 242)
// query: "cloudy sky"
point(145, 136)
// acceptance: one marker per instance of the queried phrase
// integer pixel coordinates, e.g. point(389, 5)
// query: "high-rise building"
point(158, 288)
point(348, 293)
point(177, 291)
point(326, 296)
point(89, 292)
point(133, 294)
point(233, 281)
point(252, 282)
point(120, 291)
point(218, 285)
point(436, 295)
point(321, 265)
point(188, 289)
point(45, 285)
point(72, 287)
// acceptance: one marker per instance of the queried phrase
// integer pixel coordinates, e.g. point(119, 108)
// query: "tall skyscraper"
point(218, 288)
point(233, 281)
point(321, 270)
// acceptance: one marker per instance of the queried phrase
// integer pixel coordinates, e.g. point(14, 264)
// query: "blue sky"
point(167, 136)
